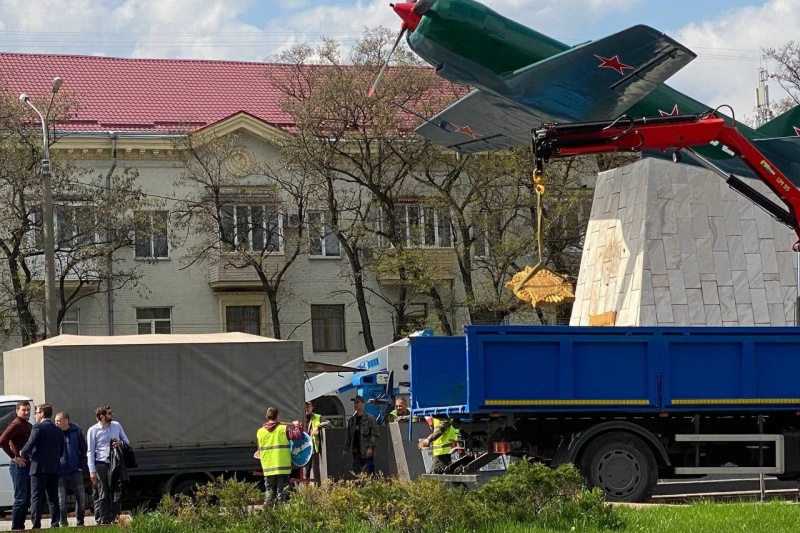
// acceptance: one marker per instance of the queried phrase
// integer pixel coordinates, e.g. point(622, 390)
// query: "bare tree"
point(251, 218)
point(786, 72)
point(85, 212)
point(347, 141)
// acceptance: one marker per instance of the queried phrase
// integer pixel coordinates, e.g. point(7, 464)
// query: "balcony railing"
point(224, 274)
point(439, 263)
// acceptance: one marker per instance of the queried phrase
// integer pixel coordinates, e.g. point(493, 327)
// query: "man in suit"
point(44, 449)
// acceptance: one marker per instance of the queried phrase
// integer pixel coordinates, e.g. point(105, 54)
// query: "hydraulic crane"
point(682, 133)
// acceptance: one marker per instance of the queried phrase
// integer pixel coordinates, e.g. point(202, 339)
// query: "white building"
point(131, 114)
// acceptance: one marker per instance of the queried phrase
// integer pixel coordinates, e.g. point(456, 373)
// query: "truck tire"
point(620, 465)
point(187, 488)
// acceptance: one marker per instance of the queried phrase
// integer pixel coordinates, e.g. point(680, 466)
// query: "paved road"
point(5, 524)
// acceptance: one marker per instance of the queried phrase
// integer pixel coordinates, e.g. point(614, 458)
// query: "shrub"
point(529, 493)
point(533, 493)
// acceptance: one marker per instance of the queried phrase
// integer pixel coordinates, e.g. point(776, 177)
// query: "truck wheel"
point(186, 487)
point(622, 466)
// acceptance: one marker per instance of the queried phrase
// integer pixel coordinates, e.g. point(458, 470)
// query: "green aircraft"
point(523, 79)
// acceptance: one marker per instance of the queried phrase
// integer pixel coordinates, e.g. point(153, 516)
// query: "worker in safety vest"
point(444, 434)
point(314, 424)
point(401, 412)
point(275, 452)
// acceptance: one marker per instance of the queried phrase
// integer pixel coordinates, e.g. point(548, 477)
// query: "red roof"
point(156, 95)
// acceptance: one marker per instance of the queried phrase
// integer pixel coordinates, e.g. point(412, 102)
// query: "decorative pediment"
point(247, 123)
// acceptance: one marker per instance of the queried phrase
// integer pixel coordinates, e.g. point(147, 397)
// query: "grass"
point(773, 517)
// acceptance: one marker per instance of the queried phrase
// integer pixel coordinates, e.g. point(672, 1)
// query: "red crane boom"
point(681, 133)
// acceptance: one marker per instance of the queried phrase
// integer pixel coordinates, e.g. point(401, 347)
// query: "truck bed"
point(542, 369)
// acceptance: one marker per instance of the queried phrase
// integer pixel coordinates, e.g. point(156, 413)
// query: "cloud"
point(729, 53)
point(560, 15)
point(201, 29)
point(346, 22)
point(726, 70)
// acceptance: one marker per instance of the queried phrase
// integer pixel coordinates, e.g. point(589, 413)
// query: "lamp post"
point(51, 328)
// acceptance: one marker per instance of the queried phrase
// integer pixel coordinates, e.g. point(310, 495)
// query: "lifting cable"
point(538, 285)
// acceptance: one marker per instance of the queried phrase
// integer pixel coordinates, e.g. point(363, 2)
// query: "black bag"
point(128, 457)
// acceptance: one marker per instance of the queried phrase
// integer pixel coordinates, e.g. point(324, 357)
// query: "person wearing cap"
point(362, 438)
point(314, 424)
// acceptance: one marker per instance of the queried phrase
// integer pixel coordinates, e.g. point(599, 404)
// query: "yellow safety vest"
point(441, 446)
point(315, 421)
point(275, 451)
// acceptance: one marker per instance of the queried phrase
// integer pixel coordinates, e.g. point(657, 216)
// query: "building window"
point(480, 245)
point(71, 324)
point(153, 320)
point(75, 225)
point(323, 242)
point(252, 227)
point(151, 234)
point(8, 413)
point(327, 328)
point(425, 226)
point(243, 318)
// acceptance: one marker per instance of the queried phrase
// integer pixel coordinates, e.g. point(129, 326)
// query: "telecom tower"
point(763, 112)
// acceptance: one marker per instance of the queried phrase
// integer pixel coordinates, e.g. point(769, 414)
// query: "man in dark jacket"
point(362, 438)
point(72, 468)
point(44, 449)
point(12, 441)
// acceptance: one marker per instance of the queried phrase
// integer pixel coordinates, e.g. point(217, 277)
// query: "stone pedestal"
point(672, 245)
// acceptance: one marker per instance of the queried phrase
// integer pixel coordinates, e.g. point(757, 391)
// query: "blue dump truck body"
point(626, 405)
point(566, 369)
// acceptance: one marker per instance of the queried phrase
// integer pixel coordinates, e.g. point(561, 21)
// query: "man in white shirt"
point(100, 439)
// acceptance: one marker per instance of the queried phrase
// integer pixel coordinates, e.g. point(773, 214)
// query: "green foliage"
point(589, 510)
point(529, 493)
point(215, 506)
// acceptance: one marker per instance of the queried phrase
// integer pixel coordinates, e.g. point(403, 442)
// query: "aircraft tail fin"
point(784, 125)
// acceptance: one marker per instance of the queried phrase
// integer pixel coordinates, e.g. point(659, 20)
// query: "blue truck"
point(627, 406)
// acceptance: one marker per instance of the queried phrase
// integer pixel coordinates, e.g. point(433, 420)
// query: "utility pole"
point(51, 324)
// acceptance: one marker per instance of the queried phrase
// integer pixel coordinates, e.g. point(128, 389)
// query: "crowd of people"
point(361, 442)
point(50, 457)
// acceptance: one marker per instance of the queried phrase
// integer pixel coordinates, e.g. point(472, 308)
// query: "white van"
point(8, 412)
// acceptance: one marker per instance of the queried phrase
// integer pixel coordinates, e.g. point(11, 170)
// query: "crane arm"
point(682, 133)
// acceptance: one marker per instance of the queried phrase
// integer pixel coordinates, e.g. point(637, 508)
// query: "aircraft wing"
point(595, 81)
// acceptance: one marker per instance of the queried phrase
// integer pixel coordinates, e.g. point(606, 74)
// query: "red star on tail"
point(674, 112)
point(612, 63)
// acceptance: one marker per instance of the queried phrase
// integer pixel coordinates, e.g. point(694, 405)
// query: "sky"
point(727, 35)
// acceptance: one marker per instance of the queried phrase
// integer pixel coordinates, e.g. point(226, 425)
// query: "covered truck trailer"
point(190, 404)
point(626, 405)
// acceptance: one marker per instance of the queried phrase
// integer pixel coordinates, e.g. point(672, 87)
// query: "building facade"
point(133, 114)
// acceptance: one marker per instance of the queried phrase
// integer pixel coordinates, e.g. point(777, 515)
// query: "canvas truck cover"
point(165, 390)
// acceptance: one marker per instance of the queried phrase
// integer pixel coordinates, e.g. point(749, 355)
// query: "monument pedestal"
point(672, 245)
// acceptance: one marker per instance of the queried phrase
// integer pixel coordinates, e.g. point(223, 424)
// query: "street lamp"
point(51, 328)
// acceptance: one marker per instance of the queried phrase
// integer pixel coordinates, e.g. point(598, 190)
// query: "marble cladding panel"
point(673, 245)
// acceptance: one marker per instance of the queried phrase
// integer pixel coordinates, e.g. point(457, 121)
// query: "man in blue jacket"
point(44, 449)
point(72, 468)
